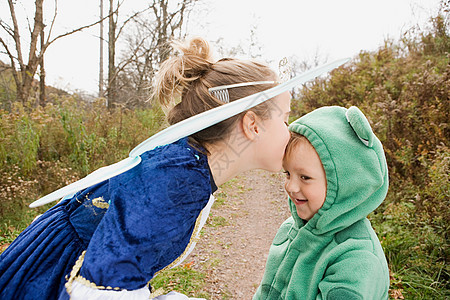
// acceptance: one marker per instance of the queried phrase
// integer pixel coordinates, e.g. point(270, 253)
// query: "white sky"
point(334, 29)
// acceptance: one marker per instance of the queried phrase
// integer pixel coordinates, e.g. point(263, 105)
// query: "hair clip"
point(221, 92)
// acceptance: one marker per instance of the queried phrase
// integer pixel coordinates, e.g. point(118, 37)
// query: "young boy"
point(336, 175)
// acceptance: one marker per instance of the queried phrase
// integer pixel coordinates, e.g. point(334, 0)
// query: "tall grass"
point(44, 148)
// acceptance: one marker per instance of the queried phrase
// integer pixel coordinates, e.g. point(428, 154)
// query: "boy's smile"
point(306, 183)
point(299, 201)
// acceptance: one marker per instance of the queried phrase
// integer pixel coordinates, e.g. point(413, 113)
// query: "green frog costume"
point(336, 254)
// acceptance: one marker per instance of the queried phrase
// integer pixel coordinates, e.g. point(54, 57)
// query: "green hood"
point(354, 163)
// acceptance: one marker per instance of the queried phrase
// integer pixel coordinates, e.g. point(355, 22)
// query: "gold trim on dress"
point(194, 239)
point(100, 202)
point(76, 268)
point(75, 277)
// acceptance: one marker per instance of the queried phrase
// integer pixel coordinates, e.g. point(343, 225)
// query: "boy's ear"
point(250, 125)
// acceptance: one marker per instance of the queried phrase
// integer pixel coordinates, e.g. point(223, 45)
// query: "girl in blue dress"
point(107, 241)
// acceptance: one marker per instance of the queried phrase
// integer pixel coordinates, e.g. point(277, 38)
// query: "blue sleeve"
point(148, 224)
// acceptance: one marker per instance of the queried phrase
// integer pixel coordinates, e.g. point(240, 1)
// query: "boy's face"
point(306, 182)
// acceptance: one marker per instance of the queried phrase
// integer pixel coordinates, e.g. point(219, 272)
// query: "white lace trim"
point(82, 292)
point(175, 296)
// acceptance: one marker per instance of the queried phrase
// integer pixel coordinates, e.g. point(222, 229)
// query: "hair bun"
point(196, 47)
point(190, 63)
point(196, 58)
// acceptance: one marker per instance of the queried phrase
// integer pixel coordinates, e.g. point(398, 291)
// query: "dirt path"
point(234, 244)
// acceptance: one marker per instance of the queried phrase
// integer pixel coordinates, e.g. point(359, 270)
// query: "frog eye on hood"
point(360, 125)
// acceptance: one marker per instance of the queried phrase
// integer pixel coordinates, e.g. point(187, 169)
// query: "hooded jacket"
point(336, 254)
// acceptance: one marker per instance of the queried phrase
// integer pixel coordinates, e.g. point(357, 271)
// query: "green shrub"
point(45, 148)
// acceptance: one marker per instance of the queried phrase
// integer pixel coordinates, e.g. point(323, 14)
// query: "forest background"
point(403, 88)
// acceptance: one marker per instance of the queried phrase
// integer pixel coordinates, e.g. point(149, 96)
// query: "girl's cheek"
point(288, 135)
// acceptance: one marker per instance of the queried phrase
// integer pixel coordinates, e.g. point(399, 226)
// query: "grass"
point(182, 279)
point(416, 253)
point(16, 222)
point(216, 221)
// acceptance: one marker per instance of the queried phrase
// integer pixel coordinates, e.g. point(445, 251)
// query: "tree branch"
point(16, 34)
point(35, 33)
point(129, 19)
point(13, 65)
point(7, 28)
point(127, 62)
point(53, 22)
point(78, 29)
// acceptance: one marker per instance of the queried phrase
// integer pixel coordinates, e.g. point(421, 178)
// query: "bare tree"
point(112, 55)
point(114, 32)
point(292, 67)
point(24, 71)
point(147, 46)
point(41, 63)
point(248, 47)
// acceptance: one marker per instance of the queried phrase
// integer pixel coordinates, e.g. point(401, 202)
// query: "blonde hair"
point(189, 74)
point(295, 140)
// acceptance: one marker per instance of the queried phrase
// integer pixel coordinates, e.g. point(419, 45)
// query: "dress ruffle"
point(35, 264)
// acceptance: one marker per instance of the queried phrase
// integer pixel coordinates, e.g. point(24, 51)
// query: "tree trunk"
point(111, 56)
point(41, 100)
point(33, 61)
point(100, 76)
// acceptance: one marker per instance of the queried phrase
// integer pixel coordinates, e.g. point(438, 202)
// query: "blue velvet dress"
point(131, 226)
